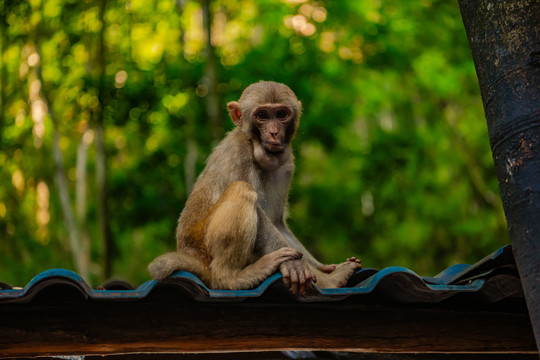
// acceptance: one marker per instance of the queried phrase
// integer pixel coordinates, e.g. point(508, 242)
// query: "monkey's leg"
point(187, 260)
point(230, 235)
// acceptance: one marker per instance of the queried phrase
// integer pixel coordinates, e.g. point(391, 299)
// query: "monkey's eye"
point(282, 114)
point(262, 115)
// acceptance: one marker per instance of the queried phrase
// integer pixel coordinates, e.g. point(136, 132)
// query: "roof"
point(490, 280)
point(466, 309)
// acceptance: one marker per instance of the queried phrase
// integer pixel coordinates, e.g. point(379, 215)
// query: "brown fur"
point(232, 231)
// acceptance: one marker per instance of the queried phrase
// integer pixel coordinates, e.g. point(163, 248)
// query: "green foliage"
point(393, 158)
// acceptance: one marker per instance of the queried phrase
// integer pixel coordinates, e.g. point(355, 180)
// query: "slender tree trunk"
point(211, 75)
point(60, 177)
point(101, 158)
point(190, 162)
point(180, 5)
point(505, 41)
point(190, 130)
point(62, 184)
point(81, 188)
point(69, 217)
point(3, 77)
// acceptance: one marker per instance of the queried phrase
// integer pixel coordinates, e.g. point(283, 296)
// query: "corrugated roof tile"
point(491, 279)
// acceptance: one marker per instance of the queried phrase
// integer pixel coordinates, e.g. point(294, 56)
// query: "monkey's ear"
point(236, 114)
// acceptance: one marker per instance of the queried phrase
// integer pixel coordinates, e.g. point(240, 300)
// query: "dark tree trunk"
point(505, 41)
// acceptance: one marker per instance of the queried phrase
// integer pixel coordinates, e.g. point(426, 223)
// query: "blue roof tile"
point(491, 279)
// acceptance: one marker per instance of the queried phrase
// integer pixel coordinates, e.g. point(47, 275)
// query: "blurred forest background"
point(108, 110)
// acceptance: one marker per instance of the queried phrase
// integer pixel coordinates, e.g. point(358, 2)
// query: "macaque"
point(232, 232)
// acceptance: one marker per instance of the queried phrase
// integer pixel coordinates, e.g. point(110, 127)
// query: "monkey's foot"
point(354, 259)
point(339, 277)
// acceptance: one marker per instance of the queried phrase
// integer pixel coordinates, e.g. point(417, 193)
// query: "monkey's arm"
point(296, 244)
point(297, 274)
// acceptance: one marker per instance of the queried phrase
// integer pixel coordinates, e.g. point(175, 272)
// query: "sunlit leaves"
point(393, 160)
point(175, 102)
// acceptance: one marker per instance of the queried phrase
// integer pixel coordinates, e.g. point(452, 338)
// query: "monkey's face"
point(273, 124)
point(268, 112)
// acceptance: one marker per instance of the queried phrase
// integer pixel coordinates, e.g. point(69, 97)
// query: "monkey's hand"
point(297, 276)
point(273, 260)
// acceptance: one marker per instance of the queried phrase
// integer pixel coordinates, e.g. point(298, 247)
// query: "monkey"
point(232, 232)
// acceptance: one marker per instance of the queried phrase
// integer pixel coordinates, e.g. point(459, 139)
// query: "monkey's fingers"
point(294, 282)
point(286, 276)
point(309, 275)
point(291, 253)
point(311, 279)
point(307, 279)
point(286, 254)
point(302, 284)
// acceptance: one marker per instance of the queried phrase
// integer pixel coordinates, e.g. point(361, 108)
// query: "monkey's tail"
point(164, 265)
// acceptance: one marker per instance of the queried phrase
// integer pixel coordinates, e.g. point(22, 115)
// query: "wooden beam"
point(315, 355)
point(135, 327)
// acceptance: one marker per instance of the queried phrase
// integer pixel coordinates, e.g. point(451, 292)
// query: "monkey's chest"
point(273, 201)
point(272, 209)
point(272, 189)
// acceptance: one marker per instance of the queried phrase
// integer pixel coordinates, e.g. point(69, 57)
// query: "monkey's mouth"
point(271, 147)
